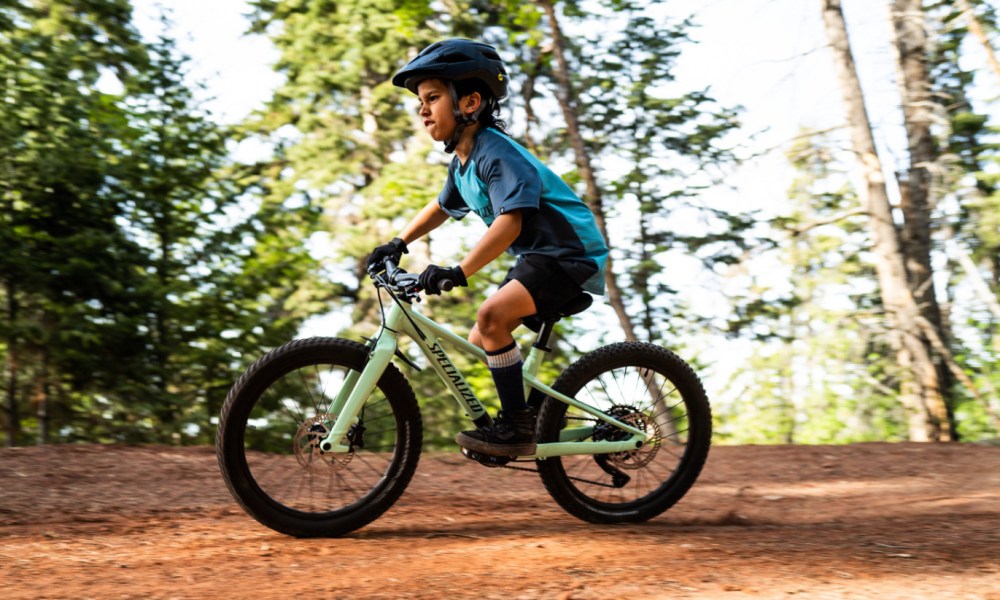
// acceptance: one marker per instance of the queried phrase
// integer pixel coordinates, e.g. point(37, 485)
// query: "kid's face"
point(436, 109)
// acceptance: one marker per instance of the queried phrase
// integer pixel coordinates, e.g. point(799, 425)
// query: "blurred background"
point(801, 197)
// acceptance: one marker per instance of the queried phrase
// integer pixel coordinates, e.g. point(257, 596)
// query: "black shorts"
point(550, 287)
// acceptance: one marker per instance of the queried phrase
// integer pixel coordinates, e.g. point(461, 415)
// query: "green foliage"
point(68, 273)
point(665, 140)
point(359, 154)
point(337, 124)
point(135, 275)
point(650, 143)
point(822, 371)
point(968, 211)
point(969, 144)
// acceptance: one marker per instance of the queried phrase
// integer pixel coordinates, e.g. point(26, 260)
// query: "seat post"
point(542, 341)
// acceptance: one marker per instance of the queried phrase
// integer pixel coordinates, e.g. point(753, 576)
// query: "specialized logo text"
point(456, 378)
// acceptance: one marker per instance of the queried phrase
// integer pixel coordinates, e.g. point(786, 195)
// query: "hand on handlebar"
point(435, 279)
point(394, 250)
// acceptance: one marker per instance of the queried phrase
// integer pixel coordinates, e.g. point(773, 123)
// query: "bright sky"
point(761, 54)
point(766, 55)
point(235, 67)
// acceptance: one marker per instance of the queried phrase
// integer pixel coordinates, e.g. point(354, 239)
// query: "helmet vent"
point(453, 58)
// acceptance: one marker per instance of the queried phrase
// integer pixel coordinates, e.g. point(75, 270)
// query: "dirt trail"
point(873, 521)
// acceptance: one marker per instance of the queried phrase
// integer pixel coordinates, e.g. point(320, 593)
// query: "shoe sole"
point(493, 449)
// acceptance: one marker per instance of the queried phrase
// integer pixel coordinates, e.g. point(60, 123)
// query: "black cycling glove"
point(433, 276)
point(394, 250)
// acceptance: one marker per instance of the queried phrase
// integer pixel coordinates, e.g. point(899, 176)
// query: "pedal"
point(485, 459)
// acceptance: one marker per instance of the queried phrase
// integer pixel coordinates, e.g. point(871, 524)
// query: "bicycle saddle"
point(575, 306)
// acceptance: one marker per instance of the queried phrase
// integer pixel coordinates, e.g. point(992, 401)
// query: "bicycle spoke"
point(645, 394)
point(287, 420)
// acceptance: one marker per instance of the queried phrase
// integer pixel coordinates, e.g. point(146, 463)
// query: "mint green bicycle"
point(320, 436)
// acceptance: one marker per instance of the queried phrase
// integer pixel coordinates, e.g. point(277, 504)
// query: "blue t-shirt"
point(500, 176)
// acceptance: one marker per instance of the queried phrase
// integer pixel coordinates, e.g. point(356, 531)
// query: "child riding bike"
point(530, 212)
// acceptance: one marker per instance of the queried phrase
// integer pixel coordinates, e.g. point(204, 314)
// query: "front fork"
point(355, 391)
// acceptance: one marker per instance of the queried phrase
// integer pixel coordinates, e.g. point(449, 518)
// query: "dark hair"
point(490, 116)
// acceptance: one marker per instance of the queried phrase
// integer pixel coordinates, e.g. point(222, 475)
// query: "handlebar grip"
point(390, 269)
point(446, 285)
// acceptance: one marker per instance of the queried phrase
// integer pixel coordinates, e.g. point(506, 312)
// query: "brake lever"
point(409, 283)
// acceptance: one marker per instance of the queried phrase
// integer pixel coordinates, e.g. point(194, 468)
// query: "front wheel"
point(271, 425)
point(649, 388)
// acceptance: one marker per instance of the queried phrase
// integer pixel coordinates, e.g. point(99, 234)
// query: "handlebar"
point(397, 277)
point(402, 282)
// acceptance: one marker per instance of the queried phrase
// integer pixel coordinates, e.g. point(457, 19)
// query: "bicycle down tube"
point(428, 335)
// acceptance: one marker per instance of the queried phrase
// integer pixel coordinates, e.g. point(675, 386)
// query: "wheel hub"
point(306, 445)
point(630, 459)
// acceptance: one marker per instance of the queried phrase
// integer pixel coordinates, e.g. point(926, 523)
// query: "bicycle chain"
point(580, 479)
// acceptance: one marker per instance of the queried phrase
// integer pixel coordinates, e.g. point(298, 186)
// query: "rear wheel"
point(271, 425)
point(649, 388)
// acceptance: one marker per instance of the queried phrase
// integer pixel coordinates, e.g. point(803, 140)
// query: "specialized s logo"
point(456, 378)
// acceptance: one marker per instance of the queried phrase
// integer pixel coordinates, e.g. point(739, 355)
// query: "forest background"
point(833, 280)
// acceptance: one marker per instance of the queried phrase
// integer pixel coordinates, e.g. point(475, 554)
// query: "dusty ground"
point(865, 521)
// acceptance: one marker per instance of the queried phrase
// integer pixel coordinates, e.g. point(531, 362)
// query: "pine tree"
point(632, 144)
point(819, 372)
point(65, 267)
point(921, 385)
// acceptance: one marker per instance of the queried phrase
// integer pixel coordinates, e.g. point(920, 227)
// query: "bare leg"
point(500, 314)
point(513, 433)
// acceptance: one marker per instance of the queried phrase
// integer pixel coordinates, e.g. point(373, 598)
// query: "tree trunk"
point(911, 44)
point(977, 30)
point(567, 100)
point(917, 191)
point(527, 95)
point(41, 400)
point(13, 423)
point(920, 390)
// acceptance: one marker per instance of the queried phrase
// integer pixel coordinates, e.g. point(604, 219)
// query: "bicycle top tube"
point(405, 288)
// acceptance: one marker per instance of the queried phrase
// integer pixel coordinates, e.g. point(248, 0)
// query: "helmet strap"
point(461, 120)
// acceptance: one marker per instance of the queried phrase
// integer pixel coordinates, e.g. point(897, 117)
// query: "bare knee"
point(491, 321)
point(501, 314)
point(474, 338)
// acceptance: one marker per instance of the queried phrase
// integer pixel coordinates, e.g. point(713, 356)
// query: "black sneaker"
point(511, 434)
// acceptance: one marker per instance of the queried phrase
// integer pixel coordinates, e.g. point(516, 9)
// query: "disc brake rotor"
point(640, 457)
point(306, 445)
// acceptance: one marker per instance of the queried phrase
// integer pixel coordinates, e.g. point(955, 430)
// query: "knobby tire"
point(278, 403)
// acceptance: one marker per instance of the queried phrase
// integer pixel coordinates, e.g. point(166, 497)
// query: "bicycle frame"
point(402, 318)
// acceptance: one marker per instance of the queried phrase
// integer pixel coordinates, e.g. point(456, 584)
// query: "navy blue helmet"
point(454, 60)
